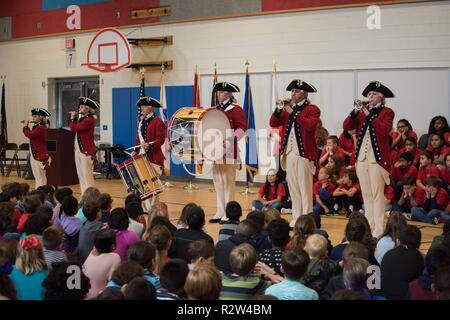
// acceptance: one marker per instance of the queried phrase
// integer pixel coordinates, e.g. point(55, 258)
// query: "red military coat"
point(306, 122)
point(236, 116)
point(153, 129)
point(379, 133)
point(84, 128)
point(38, 141)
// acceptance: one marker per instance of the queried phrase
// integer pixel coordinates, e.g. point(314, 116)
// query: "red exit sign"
point(70, 43)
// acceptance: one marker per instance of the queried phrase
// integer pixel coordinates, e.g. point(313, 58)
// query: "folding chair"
point(11, 148)
point(22, 157)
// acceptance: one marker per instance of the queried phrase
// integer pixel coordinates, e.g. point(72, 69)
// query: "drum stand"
point(190, 185)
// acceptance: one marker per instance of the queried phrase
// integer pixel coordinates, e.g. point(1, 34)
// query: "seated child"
point(233, 212)
point(319, 270)
point(323, 193)
point(91, 211)
point(105, 206)
point(69, 223)
point(144, 253)
point(102, 261)
point(410, 197)
point(427, 168)
point(242, 284)
point(199, 251)
point(332, 148)
point(294, 265)
point(348, 194)
point(173, 278)
point(278, 237)
point(52, 239)
point(436, 200)
point(271, 193)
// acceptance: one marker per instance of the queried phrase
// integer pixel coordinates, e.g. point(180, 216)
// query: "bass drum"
point(199, 133)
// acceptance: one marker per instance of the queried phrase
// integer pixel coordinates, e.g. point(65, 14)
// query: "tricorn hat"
point(88, 102)
point(225, 86)
point(377, 86)
point(148, 101)
point(40, 112)
point(301, 85)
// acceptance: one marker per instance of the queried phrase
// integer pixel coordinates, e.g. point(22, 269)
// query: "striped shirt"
point(52, 256)
point(152, 278)
point(227, 229)
point(242, 287)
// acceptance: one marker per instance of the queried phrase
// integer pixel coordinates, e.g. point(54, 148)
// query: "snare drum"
point(198, 133)
point(140, 176)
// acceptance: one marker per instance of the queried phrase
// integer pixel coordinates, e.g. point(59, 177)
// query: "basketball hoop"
point(108, 51)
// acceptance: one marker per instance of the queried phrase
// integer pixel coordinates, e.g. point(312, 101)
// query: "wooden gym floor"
point(205, 196)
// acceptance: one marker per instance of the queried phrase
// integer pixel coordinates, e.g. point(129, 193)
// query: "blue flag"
point(251, 142)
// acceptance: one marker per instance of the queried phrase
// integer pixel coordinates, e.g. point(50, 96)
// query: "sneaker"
point(253, 208)
point(214, 220)
point(285, 211)
point(435, 221)
point(408, 216)
point(336, 207)
point(350, 208)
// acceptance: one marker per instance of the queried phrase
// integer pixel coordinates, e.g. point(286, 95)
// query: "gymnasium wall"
point(333, 49)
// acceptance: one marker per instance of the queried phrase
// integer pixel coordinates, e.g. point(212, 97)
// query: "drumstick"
point(140, 145)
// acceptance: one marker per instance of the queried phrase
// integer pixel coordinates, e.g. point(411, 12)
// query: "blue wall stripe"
point(125, 113)
point(60, 4)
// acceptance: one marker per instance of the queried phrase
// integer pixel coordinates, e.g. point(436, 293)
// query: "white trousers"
point(299, 176)
point(147, 204)
point(224, 178)
point(85, 169)
point(372, 179)
point(38, 172)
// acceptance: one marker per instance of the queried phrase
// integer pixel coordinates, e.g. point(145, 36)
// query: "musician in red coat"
point(39, 159)
point(83, 125)
point(151, 132)
point(298, 123)
point(224, 173)
point(373, 164)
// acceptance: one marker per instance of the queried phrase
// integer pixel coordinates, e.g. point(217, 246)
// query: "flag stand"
point(247, 190)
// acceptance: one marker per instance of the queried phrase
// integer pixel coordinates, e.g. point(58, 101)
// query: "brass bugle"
point(359, 104)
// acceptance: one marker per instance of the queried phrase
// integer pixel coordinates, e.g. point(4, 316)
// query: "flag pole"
point(190, 185)
point(247, 189)
point(215, 78)
point(167, 184)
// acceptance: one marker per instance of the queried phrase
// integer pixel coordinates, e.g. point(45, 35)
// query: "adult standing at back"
point(298, 122)
point(373, 164)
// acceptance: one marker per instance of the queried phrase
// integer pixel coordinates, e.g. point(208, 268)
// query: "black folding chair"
point(22, 157)
point(11, 150)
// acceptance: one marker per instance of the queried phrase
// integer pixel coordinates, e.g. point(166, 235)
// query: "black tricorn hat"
point(301, 85)
point(377, 86)
point(225, 86)
point(148, 101)
point(40, 112)
point(88, 102)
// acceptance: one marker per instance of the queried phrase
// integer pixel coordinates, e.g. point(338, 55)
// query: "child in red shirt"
point(332, 148)
point(271, 193)
point(445, 172)
point(427, 168)
point(31, 204)
point(404, 168)
point(436, 200)
point(439, 150)
point(323, 193)
point(348, 194)
point(411, 196)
